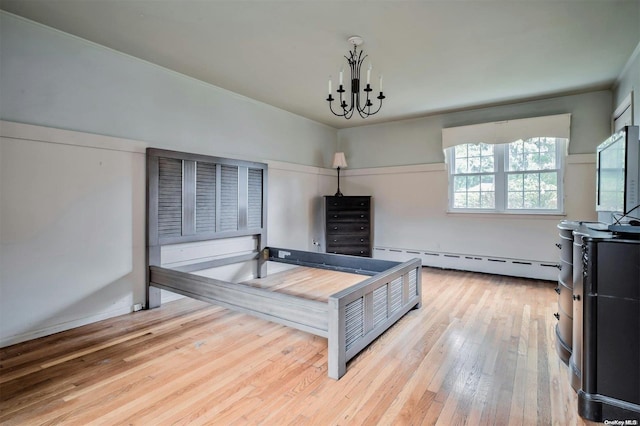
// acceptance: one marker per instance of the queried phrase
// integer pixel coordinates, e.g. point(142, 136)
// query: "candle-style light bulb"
point(329, 84)
point(369, 74)
point(341, 71)
point(380, 82)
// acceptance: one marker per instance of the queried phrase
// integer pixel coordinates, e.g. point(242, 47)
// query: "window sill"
point(507, 215)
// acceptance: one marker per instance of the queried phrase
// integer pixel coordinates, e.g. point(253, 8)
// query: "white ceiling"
point(435, 56)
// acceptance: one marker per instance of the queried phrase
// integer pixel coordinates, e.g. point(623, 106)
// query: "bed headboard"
point(192, 197)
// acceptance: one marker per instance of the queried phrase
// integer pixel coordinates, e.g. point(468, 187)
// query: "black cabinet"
point(564, 327)
point(348, 225)
point(611, 341)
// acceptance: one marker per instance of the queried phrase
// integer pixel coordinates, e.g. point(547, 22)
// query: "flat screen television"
point(618, 176)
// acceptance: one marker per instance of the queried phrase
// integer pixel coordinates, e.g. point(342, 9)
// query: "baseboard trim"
point(524, 268)
point(57, 328)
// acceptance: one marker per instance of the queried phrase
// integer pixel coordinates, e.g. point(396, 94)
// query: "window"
point(524, 176)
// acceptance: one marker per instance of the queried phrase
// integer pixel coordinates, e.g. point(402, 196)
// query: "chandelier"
point(345, 110)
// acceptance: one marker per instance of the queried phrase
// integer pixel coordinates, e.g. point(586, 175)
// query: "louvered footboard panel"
point(363, 312)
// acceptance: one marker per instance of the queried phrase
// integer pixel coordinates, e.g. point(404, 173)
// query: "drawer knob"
point(361, 215)
point(558, 290)
point(335, 215)
point(362, 227)
point(361, 240)
point(576, 297)
point(559, 245)
point(335, 227)
point(557, 315)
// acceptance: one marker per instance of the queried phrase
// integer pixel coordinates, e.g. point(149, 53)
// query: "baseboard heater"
point(467, 262)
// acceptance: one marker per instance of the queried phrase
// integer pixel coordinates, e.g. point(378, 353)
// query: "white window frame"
point(500, 134)
point(501, 174)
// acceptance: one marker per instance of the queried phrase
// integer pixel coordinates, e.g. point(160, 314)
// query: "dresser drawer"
point(334, 228)
point(347, 203)
point(351, 250)
point(348, 239)
point(348, 216)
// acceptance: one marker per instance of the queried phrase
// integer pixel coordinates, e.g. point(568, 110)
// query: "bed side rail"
point(335, 262)
point(361, 313)
point(306, 315)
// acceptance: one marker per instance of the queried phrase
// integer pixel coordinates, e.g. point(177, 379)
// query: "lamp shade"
point(339, 160)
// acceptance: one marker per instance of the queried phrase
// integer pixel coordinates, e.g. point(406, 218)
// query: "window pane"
point(531, 200)
point(532, 161)
point(460, 184)
point(488, 183)
point(473, 183)
point(488, 200)
point(547, 160)
point(549, 181)
point(486, 164)
point(549, 200)
point(473, 200)
point(515, 200)
point(474, 165)
point(532, 154)
point(460, 200)
point(532, 191)
point(473, 149)
point(515, 182)
point(515, 156)
point(461, 151)
point(460, 165)
point(531, 182)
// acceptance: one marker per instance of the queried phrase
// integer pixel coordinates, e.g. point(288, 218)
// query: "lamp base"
point(338, 194)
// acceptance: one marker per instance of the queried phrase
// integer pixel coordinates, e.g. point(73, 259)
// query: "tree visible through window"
point(474, 177)
point(524, 175)
point(532, 174)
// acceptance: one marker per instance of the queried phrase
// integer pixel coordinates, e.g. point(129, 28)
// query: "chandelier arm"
point(379, 106)
point(335, 113)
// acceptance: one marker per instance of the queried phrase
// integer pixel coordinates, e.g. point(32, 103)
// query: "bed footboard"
point(361, 313)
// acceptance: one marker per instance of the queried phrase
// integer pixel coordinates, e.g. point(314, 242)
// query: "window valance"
point(553, 126)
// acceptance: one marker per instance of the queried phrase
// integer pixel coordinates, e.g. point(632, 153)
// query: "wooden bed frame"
point(350, 319)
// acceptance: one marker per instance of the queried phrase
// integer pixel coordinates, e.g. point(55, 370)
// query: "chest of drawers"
point(348, 225)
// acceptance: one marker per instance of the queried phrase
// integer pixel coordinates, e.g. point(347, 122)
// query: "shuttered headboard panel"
point(192, 197)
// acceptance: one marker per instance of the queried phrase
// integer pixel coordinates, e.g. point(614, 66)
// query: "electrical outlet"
point(137, 307)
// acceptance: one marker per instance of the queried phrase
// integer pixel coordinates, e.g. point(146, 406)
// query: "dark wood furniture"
point(348, 225)
point(610, 388)
point(564, 328)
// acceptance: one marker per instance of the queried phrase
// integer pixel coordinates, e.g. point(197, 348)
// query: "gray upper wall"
point(419, 141)
point(54, 79)
point(629, 81)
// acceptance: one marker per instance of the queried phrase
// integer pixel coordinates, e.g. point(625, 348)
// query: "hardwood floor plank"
point(480, 351)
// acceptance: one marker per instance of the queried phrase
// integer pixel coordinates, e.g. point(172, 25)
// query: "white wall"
point(410, 205)
point(72, 218)
point(72, 201)
point(401, 165)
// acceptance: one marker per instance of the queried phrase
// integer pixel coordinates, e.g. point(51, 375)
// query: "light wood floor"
point(481, 350)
